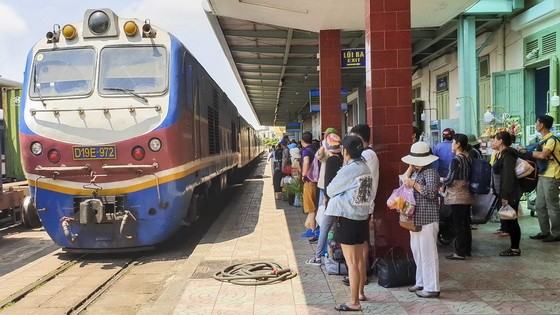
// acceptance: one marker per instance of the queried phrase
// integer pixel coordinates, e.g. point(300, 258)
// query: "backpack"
point(481, 175)
point(313, 171)
point(542, 165)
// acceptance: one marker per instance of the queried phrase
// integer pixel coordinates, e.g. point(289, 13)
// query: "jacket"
point(504, 167)
point(350, 192)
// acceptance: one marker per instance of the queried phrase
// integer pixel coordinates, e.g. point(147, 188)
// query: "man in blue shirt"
point(443, 151)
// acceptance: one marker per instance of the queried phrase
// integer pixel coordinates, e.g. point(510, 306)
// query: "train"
point(123, 133)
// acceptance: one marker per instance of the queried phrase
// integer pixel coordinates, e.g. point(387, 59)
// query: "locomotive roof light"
point(130, 28)
point(36, 148)
point(100, 23)
point(69, 32)
point(138, 153)
point(155, 144)
point(147, 30)
point(54, 36)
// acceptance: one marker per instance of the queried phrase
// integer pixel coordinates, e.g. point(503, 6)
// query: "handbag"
point(507, 213)
point(335, 267)
point(458, 193)
point(394, 271)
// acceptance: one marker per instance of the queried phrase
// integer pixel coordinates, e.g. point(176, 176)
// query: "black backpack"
point(481, 176)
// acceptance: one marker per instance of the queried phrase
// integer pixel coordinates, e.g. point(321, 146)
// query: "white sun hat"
point(420, 155)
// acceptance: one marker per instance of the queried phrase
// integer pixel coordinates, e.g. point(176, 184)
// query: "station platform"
point(256, 227)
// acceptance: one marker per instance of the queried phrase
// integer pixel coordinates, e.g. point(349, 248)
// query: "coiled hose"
point(256, 273)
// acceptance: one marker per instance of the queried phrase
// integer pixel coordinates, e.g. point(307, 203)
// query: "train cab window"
point(136, 69)
point(59, 73)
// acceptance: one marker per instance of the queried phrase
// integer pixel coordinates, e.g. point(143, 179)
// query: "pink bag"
point(402, 200)
point(313, 171)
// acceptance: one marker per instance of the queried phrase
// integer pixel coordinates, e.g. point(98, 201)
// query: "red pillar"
point(330, 79)
point(389, 110)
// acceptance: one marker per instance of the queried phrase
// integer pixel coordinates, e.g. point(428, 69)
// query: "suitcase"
point(482, 208)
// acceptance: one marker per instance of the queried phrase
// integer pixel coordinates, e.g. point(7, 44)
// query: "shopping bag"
point(507, 213)
point(396, 269)
point(402, 200)
point(336, 267)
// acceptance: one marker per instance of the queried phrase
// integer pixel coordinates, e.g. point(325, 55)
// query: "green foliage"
point(271, 142)
point(295, 187)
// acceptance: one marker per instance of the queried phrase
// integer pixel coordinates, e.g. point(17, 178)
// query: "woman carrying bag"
point(458, 196)
point(506, 186)
point(350, 199)
point(425, 181)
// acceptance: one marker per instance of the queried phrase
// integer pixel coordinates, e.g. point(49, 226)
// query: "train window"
point(136, 68)
point(66, 72)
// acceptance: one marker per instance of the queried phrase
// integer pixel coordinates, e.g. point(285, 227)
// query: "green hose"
point(256, 273)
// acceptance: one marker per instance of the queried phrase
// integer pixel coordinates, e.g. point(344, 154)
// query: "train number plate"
point(95, 152)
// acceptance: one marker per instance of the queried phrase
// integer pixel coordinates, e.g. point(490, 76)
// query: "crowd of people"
point(340, 177)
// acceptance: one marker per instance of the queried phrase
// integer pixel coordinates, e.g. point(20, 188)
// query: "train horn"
point(147, 30)
point(54, 36)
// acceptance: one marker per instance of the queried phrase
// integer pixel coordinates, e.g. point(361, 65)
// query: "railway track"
point(84, 292)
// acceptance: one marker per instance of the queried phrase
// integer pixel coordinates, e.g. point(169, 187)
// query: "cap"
point(331, 130)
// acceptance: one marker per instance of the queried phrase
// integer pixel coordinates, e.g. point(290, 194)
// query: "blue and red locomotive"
point(121, 132)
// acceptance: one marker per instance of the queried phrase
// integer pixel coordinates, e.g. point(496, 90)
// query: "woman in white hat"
point(425, 182)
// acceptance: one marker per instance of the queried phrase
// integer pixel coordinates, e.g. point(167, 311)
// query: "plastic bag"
point(507, 213)
point(313, 172)
point(402, 200)
point(286, 180)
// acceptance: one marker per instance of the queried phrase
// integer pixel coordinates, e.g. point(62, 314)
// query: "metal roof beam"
point(284, 64)
point(447, 29)
point(301, 49)
point(271, 34)
point(279, 62)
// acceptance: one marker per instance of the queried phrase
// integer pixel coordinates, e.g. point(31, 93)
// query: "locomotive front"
point(97, 128)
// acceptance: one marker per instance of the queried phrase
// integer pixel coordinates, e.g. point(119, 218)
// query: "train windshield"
point(135, 69)
point(68, 72)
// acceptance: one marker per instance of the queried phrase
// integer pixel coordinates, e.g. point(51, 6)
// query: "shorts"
point(351, 232)
point(309, 197)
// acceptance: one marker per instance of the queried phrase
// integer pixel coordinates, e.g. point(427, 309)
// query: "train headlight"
point(54, 156)
point(138, 153)
point(98, 22)
point(130, 28)
point(69, 32)
point(36, 148)
point(155, 144)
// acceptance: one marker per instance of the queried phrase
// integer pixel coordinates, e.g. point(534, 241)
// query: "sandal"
point(498, 231)
point(454, 257)
point(509, 253)
point(503, 234)
point(345, 308)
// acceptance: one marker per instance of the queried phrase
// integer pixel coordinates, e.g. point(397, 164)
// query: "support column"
point(330, 82)
point(468, 80)
point(389, 105)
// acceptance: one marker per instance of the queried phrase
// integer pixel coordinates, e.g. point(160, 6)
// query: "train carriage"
point(121, 132)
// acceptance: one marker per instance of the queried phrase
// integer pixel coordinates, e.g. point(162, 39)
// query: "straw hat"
point(420, 155)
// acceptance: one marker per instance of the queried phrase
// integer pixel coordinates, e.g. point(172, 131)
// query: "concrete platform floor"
point(256, 227)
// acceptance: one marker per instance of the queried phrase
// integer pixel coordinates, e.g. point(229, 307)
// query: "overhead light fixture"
point(458, 104)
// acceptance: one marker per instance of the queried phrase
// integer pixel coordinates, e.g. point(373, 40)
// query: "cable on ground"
point(256, 273)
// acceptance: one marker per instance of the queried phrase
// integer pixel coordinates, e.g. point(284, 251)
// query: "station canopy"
point(273, 45)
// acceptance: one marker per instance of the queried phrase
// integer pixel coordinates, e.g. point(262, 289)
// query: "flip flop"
point(345, 308)
point(363, 299)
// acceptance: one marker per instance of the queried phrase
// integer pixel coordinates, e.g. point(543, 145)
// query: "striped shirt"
point(459, 169)
point(427, 201)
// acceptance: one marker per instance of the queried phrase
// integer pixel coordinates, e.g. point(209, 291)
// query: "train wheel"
point(29, 214)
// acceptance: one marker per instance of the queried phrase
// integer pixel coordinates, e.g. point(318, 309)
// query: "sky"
point(24, 22)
